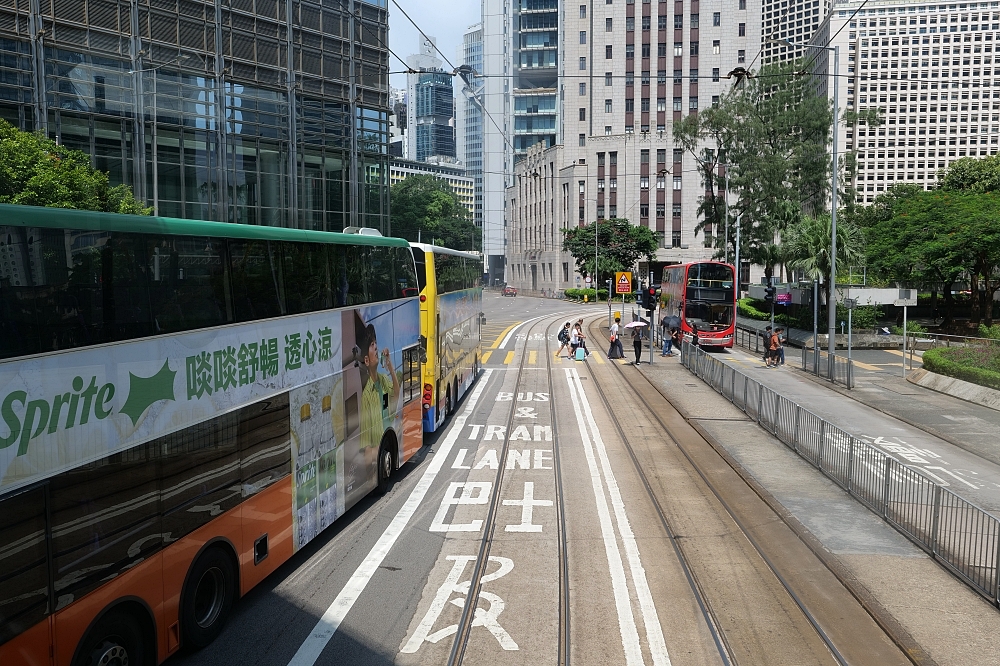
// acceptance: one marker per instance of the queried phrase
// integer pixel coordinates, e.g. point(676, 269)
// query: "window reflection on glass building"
point(248, 111)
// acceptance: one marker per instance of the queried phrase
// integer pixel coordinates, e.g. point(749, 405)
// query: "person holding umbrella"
point(667, 325)
point(636, 327)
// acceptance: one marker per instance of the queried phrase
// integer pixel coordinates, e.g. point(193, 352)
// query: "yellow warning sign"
point(623, 282)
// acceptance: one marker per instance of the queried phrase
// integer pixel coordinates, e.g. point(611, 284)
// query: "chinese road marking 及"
point(483, 617)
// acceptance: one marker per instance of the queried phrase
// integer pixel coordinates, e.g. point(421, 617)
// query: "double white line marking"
point(592, 440)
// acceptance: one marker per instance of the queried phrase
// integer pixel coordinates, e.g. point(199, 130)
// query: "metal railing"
point(962, 536)
point(819, 364)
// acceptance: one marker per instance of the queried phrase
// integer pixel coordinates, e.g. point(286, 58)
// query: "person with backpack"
point(564, 341)
point(771, 357)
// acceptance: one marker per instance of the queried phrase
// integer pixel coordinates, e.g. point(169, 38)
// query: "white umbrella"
point(636, 324)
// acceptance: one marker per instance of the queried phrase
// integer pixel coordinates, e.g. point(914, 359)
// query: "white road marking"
point(654, 633)
point(527, 505)
point(513, 331)
point(626, 621)
point(327, 626)
point(473, 492)
point(482, 618)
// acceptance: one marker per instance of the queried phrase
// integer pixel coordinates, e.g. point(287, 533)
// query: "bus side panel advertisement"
point(373, 341)
point(62, 410)
point(459, 327)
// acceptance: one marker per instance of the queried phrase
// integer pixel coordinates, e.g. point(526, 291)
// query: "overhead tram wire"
point(455, 71)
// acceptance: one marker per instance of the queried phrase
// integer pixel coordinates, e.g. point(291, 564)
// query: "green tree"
point(426, 208)
point(619, 245)
point(36, 171)
point(981, 230)
point(807, 247)
point(918, 238)
point(774, 132)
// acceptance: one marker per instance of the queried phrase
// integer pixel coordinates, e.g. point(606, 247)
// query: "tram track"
point(651, 400)
point(465, 624)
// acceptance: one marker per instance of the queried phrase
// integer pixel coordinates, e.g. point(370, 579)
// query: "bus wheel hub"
point(110, 654)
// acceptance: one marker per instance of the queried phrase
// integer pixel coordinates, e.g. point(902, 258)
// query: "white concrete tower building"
point(630, 70)
point(933, 71)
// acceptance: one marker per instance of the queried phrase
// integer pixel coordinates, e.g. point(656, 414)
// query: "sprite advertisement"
point(66, 409)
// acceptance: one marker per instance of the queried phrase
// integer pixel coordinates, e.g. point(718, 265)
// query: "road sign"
point(587, 279)
point(623, 282)
point(906, 297)
point(850, 303)
point(783, 299)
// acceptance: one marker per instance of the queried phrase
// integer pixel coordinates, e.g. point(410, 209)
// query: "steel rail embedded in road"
point(465, 623)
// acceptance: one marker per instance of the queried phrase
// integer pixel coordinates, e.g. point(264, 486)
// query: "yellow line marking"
point(532, 357)
point(897, 352)
point(486, 357)
point(598, 357)
point(865, 366)
point(510, 357)
point(504, 332)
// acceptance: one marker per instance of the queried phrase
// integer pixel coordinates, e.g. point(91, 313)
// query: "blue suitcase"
point(580, 354)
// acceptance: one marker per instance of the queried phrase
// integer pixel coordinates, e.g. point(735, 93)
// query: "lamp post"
point(831, 305)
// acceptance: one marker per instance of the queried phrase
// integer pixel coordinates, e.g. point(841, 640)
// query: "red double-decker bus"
point(701, 296)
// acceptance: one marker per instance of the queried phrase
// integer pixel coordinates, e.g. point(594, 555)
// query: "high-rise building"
point(794, 21)
point(929, 69)
point(631, 70)
point(430, 105)
point(256, 113)
point(469, 116)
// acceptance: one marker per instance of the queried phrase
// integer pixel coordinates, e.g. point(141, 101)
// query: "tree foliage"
point(773, 131)
point(934, 238)
point(426, 208)
point(807, 246)
point(35, 171)
point(619, 244)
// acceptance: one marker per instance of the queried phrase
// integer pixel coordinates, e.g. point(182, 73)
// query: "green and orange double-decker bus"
point(184, 405)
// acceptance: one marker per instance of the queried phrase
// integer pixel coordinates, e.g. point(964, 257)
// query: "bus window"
point(380, 274)
point(24, 581)
point(354, 262)
point(406, 280)
point(420, 259)
point(305, 277)
point(254, 279)
point(187, 288)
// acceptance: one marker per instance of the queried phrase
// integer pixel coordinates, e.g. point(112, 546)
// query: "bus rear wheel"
point(386, 465)
point(117, 639)
point(207, 598)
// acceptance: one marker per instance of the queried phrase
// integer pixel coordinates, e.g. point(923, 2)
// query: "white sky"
point(446, 20)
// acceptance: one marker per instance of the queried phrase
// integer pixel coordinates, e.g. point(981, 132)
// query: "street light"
point(831, 305)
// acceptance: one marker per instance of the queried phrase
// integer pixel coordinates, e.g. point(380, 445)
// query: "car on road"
point(509, 291)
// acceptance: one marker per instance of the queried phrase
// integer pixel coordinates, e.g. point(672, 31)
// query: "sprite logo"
point(27, 419)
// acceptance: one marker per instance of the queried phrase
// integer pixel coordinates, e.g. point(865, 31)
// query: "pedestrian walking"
point(771, 355)
point(668, 338)
point(616, 350)
point(780, 334)
point(766, 335)
point(694, 337)
point(675, 335)
point(637, 343)
point(574, 340)
point(581, 336)
point(563, 337)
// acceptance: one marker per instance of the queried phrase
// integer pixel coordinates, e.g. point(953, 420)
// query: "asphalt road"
point(536, 491)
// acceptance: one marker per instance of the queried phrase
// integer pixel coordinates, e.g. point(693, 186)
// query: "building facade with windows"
point(469, 124)
point(934, 73)
point(256, 113)
point(430, 109)
point(453, 174)
point(633, 69)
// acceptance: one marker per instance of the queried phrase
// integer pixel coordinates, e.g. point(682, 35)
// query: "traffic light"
point(651, 298)
point(769, 294)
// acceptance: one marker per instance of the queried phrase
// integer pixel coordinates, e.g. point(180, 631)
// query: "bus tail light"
point(428, 395)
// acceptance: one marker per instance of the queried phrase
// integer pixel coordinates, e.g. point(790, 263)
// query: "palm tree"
point(806, 247)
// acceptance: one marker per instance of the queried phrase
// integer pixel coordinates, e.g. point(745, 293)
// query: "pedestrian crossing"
point(538, 360)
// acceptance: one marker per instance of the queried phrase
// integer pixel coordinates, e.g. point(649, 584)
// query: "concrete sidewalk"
point(936, 618)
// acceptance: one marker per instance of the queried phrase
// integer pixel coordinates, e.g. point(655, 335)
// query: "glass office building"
point(252, 111)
